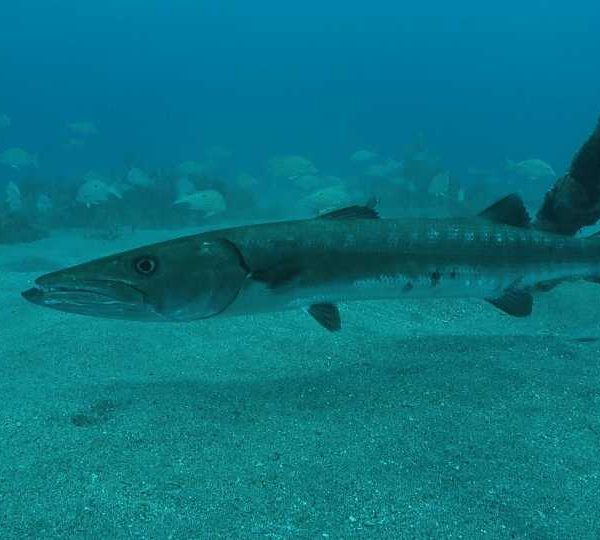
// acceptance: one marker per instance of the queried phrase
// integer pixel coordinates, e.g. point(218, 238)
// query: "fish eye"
point(145, 265)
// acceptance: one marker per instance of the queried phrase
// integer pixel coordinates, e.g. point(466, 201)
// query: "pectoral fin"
point(515, 302)
point(327, 315)
point(281, 275)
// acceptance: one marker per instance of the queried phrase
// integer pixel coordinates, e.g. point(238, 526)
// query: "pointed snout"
point(34, 295)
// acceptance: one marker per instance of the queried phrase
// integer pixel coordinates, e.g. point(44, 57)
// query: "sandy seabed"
point(431, 419)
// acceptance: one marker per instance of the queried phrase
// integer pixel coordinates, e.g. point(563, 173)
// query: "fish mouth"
point(98, 298)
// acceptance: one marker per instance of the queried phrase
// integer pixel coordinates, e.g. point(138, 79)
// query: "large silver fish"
point(346, 255)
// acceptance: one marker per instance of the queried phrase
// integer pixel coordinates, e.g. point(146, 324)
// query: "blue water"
point(161, 79)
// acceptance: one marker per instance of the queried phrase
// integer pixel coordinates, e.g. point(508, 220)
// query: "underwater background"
point(127, 122)
point(165, 79)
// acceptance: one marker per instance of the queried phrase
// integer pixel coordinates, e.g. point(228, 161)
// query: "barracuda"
point(346, 255)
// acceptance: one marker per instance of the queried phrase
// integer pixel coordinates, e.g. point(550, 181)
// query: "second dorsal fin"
point(509, 210)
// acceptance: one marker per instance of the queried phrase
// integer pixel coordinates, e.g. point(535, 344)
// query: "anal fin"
point(515, 302)
point(327, 315)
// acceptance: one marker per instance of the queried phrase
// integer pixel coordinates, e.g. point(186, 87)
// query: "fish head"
point(181, 280)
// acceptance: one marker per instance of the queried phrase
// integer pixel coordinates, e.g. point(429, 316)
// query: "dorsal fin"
point(508, 211)
point(351, 212)
point(366, 211)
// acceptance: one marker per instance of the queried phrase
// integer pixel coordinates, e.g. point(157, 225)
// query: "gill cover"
point(215, 276)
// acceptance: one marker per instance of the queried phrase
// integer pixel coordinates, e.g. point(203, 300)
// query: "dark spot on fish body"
point(408, 286)
point(435, 278)
point(453, 274)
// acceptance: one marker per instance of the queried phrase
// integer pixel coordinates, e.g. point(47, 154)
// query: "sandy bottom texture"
point(439, 419)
